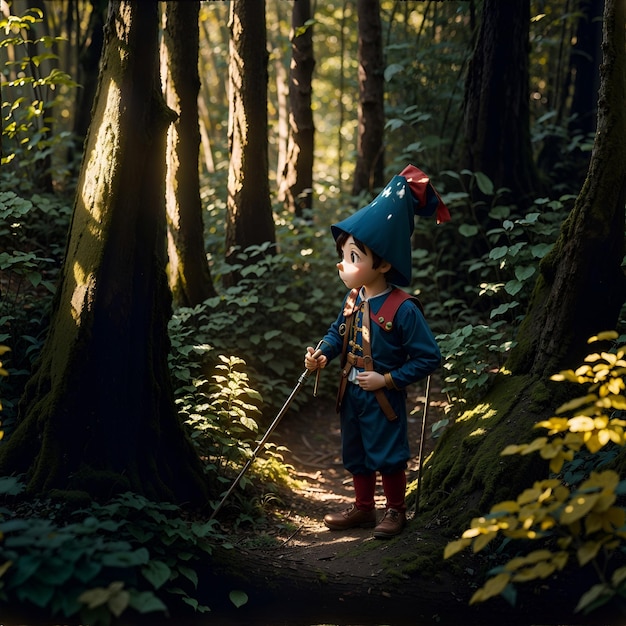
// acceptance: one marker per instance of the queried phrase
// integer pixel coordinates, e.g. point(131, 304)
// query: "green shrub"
point(30, 95)
point(581, 519)
point(130, 555)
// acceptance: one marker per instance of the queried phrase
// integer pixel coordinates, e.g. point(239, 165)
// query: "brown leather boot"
point(351, 518)
point(391, 525)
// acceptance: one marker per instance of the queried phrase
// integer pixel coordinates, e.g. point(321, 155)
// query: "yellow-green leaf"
point(577, 402)
point(483, 540)
point(556, 463)
point(619, 575)
point(508, 506)
point(554, 425)
point(594, 594)
point(512, 449)
point(580, 423)
point(119, 602)
point(94, 597)
point(455, 546)
point(567, 375)
point(539, 570)
point(560, 559)
point(578, 507)
point(535, 445)
point(588, 551)
point(605, 335)
point(617, 402)
point(493, 587)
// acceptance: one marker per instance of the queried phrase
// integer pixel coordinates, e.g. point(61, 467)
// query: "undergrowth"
point(234, 358)
point(575, 516)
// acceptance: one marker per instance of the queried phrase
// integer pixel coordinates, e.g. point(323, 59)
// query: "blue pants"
point(369, 441)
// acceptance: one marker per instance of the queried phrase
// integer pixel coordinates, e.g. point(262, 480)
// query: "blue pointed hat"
point(386, 224)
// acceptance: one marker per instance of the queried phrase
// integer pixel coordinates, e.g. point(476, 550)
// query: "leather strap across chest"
point(349, 359)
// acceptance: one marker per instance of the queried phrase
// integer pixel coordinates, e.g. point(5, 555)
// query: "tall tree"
point(585, 59)
point(89, 53)
point(579, 292)
point(369, 172)
point(296, 184)
point(98, 414)
point(496, 106)
point(188, 269)
point(581, 287)
point(249, 219)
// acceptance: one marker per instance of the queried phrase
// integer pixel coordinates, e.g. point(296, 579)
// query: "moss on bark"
point(466, 473)
point(98, 414)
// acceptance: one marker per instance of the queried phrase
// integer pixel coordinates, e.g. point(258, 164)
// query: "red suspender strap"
point(386, 313)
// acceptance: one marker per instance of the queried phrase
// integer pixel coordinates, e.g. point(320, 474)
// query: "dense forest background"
point(165, 250)
point(475, 274)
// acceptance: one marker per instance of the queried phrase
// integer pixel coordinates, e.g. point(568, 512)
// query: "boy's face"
point(355, 267)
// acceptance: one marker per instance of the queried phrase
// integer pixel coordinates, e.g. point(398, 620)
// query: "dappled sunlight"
point(84, 288)
point(98, 174)
point(483, 411)
point(479, 432)
point(91, 210)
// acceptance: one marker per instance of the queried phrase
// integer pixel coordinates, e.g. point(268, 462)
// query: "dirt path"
point(313, 440)
point(316, 576)
point(346, 573)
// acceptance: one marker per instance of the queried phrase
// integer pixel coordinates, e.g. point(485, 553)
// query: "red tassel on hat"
point(419, 184)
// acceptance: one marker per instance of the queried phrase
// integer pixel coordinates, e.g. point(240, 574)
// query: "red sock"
point(394, 486)
point(364, 490)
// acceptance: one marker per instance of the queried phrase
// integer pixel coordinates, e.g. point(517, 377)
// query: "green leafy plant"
point(581, 520)
point(128, 555)
point(32, 94)
point(481, 315)
point(226, 415)
point(473, 355)
point(222, 417)
point(31, 236)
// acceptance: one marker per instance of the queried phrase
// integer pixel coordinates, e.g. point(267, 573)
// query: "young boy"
point(385, 345)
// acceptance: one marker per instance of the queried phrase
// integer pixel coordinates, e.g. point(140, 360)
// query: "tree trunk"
point(496, 108)
point(296, 189)
point(88, 62)
point(585, 59)
point(98, 414)
point(188, 269)
point(369, 172)
point(579, 292)
point(581, 287)
point(249, 218)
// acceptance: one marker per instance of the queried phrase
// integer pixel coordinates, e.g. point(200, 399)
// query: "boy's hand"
point(314, 359)
point(370, 381)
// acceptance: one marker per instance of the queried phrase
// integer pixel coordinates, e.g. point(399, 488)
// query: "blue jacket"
point(408, 351)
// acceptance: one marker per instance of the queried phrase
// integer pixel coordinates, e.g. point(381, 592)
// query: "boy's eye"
point(354, 257)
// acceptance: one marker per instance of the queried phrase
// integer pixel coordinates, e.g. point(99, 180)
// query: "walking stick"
point(271, 428)
point(421, 448)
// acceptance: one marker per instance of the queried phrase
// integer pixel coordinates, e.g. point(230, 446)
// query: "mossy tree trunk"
point(88, 62)
point(98, 414)
point(584, 61)
point(188, 269)
point(296, 184)
point(496, 106)
point(249, 219)
point(580, 291)
point(369, 171)
point(581, 287)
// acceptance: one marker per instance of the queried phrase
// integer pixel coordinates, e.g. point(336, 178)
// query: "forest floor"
point(349, 577)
